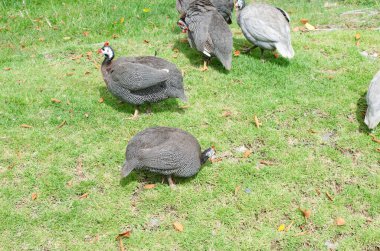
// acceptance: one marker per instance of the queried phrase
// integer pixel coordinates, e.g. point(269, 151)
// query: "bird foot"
point(135, 115)
point(171, 183)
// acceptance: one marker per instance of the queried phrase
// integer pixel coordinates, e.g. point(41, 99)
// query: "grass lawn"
point(312, 140)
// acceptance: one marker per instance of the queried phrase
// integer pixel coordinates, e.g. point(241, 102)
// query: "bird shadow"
point(196, 58)
point(361, 107)
point(170, 104)
point(242, 44)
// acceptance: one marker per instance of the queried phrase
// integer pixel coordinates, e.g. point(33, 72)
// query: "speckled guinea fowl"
point(224, 7)
point(165, 150)
point(266, 27)
point(207, 32)
point(139, 80)
point(372, 117)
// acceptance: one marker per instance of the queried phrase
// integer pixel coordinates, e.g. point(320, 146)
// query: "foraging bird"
point(266, 27)
point(207, 32)
point(167, 151)
point(224, 7)
point(139, 80)
point(372, 117)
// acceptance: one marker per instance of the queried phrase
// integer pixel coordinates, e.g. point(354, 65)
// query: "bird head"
point(239, 4)
point(183, 25)
point(107, 51)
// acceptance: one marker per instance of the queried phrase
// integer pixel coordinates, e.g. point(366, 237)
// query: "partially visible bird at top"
point(139, 80)
point(266, 27)
point(372, 117)
point(224, 7)
point(208, 33)
point(167, 151)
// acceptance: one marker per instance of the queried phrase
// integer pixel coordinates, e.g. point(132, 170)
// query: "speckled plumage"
point(266, 27)
point(372, 117)
point(164, 150)
point(208, 33)
point(137, 80)
point(224, 7)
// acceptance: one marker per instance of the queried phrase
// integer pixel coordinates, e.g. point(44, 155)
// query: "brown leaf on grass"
point(184, 107)
point(257, 122)
point(114, 36)
point(215, 160)
point(318, 191)
point(236, 53)
point(357, 43)
point(41, 39)
point(295, 29)
point(226, 113)
point(101, 100)
point(340, 221)
point(83, 196)
point(26, 126)
point(374, 139)
point(34, 196)
point(312, 131)
point(85, 33)
point(378, 150)
point(149, 186)
point(62, 124)
point(183, 40)
point(301, 234)
point(54, 100)
point(329, 196)
point(304, 20)
point(306, 212)
point(266, 162)
point(237, 189)
point(178, 226)
point(309, 27)
point(87, 73)
point(289, 226)
point(97, 66)
point(126, 234)
point(276, 55)
point(7, 69)
point(69, 183)
point(76, 57)
point(69, 74)
point(247, 153)
point(357, 36)
point(146, 41)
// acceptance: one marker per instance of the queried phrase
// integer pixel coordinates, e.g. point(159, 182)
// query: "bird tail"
point(285, 49)
point(127, 169)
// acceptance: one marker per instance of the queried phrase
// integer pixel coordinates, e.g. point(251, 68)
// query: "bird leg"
point(249, 49)
point(262, 54)
point(171, 182)
point(149, 109)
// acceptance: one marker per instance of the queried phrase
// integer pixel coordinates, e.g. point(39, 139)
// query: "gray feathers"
point(137, 80)
point(266, 27)
point(208, 32)
point(372, 117)
point(164, 150)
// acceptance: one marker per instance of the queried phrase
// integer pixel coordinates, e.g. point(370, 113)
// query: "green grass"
point(311, 109)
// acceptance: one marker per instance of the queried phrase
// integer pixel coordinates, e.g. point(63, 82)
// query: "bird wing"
point(198, 26)
point(134, 76)
point(261, 30)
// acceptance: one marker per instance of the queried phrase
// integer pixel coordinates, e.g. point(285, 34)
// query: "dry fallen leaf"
point(69, 183)
point(247, 153)
point(85, 33)
point(374, 139)
point(178, 226)
point(7, 69)
point(101, 100)
point(149, 186)
point(357, 36)
point(266, 162)
point(257, 122)
point(83, 196)
point(26, 126)
point(306, 213)
point(146, 41)
point(54, 100)
point(62, 124)
point(226, 113)
point(34, 196)
point(329, 196)
point(276, 55)
point(309, 27)
point(79, 168)
point(281, 228)
point(304, 21)
point(183, 40)
point(41, 39)
point(295, 29)
point(289, 226)
point(237, 53)
point(69, 74)
point(237, 189)
point(184, 107)
point(340, 221)
point(215, 160)
point(378, 150)
point(115, 36)
point(318, 191)
point(126, 234)
point(301, 233)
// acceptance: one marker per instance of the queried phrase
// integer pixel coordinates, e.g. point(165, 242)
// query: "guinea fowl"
point(207, 32)
point(167, 151)
point(372, 117)
point(266, 27)
point(139, 80)
point(224, 7)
